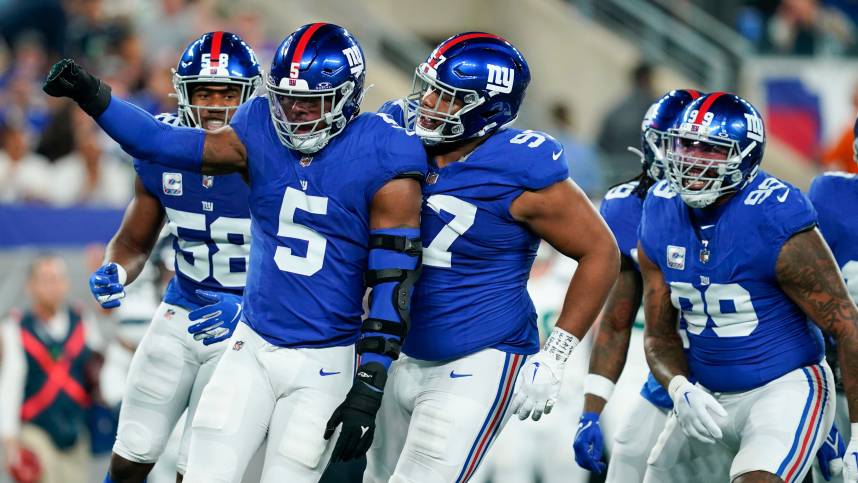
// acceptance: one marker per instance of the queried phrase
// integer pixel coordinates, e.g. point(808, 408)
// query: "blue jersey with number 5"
point(210, 223)
point(830, 193)
point(310, 229)
point(720, 262)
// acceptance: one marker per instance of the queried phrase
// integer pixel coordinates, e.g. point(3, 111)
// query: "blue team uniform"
point(472, 294)
point(720, 265)
point(210, 222)
point(310, 227)
point(621, 208)
point(829, 193)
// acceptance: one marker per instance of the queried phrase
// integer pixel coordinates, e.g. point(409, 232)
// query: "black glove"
point(67, 79)
point(357, 413)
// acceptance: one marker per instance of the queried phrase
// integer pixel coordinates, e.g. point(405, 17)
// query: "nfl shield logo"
point(172, 184)
point(431, 178)
point(676, 257)
point(208, 181)
point(238, 345)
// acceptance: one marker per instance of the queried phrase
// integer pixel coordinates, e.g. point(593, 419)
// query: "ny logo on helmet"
point(355, 59)
point(500, 79)
point(755, 127)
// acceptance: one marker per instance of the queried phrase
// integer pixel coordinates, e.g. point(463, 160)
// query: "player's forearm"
point(665, 356)
point(144, 137)
point(596, 273)
point(847, 346)
point(132, 258)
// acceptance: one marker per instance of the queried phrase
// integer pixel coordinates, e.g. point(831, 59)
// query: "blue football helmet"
point(657, 120)
point(319, 67)
point(215, 58)
point(714, 147)
point(471, 85)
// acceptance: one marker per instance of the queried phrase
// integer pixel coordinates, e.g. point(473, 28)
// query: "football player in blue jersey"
point(621, 209)
point(491, 193)
point(735, 253)
point(830, 192)
point(335, 207)
point(210, 224)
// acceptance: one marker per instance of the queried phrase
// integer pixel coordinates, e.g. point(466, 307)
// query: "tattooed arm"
point(808, 274)
point(662, 344)
point(608, 356)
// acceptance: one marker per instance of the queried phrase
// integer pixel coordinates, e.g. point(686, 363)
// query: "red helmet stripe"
point(706, 105)
point(694, 94)
point(457, 40)
point(304, 40)
point(215, 52)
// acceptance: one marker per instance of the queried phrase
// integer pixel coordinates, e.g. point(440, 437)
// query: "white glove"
point(541, 376)
point(850, 460)
point(692, 406)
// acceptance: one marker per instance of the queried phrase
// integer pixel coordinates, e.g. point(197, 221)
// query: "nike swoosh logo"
point(535, 368)
point(363, 430)
point(556, 156)
point(783, 197)
point(706, 227)
point(323, 373)
point(453, 375)
point(185, 64)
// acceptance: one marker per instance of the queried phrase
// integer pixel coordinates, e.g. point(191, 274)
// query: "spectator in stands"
point(621, 127)
point(88, 175)
point(840, 154)
point(46, 355)
point(804, 27)
point(583, 164)
point(23, 173)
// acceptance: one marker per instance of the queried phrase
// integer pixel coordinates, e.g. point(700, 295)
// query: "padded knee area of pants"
point(222, 469)
point(220, 403)
point(157, 376)
point(432, 431)
point(303, 440)
point(136, 443)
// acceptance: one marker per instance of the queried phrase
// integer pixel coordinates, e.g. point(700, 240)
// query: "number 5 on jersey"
point(437, 254)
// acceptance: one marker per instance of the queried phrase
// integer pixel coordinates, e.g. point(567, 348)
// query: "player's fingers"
point(204, 313)
point(112, 304)
point(110, 269)
point(537, 411)
point(205, 325)
point(219, 335)
point(525, 409)
point(210, 297)
point(710, 425)
point(109, 297)
point(349, 439)
point(332, 424)
point(713, 405)
point(600, 467)
point(549, 405)
point(364, 444)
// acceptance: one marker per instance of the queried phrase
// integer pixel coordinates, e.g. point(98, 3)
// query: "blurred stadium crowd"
point(53, 155)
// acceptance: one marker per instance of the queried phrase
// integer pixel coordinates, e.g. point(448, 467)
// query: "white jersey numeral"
point(205, 262)
point(533, 139)
point(437, 253)
point(316, 243)
point(728, 305)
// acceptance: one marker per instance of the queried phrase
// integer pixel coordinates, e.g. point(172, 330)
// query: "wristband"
point(121, 274)
point(598, 385)
point(674, 386)
point(560, 344)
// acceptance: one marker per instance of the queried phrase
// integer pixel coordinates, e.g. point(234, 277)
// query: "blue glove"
point(217, 321)
point(107, 285)
point(830, 454)
point(588, 444)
